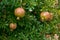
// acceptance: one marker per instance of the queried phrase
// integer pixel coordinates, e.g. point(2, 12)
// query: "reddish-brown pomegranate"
point(13, 26)
point(46, 16)
point(47, 36)
point(19, 12)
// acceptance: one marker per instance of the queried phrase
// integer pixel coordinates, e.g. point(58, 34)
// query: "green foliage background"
point(30, 27)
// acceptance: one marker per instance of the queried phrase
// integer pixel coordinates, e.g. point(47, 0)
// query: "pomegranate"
point(46, 16)
point(12, 26)
point(19, 12)
point(47, 36)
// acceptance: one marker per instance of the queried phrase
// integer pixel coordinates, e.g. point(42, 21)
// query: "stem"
point(21, 3)
point(18, 18)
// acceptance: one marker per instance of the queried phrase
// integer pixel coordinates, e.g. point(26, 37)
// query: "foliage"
point(29, 27)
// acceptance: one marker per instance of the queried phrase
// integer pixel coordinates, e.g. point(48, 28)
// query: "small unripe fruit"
point(13, 26)
point(19, 12)
point(46, 16)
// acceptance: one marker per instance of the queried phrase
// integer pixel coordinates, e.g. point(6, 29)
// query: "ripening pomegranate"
point(46, 16)
point(47, 36)
point(19, 12)
point(12, 26)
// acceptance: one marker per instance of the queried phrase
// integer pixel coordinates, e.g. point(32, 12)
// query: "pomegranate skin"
point(19, 12)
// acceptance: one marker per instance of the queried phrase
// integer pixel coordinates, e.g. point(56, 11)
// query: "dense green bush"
point(29, 27)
